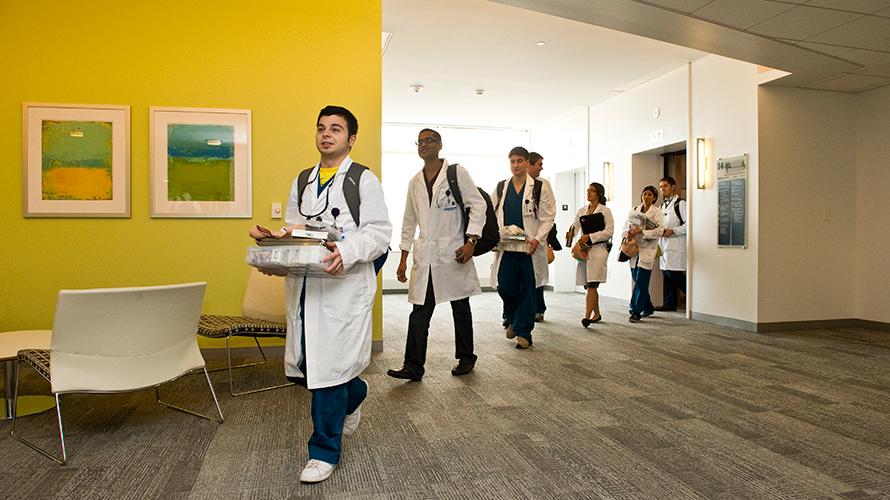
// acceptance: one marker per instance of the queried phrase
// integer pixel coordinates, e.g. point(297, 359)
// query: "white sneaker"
point(350, 423)
point(316, 471)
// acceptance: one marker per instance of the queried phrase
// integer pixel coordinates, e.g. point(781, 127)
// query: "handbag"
point(579, 253)
point(630, 247)
point(550, 254)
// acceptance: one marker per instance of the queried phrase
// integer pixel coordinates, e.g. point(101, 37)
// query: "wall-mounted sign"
point(732, 201)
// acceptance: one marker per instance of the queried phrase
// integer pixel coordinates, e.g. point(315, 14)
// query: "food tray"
point(302, 260)
point(514, 245)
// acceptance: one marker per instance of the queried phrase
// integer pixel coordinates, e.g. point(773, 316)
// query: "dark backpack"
point(490, 233)
point(677, 210)
point(352, 195)
point(536, 193)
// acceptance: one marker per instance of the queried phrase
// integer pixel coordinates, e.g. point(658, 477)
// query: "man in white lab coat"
point(673, 244)
point(535, 166)
point(517, 274)
point(443, 268)
point(329, 319)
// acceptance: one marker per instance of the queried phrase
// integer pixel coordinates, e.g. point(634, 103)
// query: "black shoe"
point(505, 324)
point(404, 374)
point(634, 318)
point(666, 308)
point(647, 314)
point(585, 322)
point(462, 369)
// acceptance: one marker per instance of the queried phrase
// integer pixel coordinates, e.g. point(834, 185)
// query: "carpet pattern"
point(667, 408)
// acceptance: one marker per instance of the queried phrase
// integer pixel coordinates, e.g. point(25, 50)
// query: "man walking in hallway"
point(536, 165)
point(328, 341)
point(529, 205)
point(673, 244)
point(443, 269)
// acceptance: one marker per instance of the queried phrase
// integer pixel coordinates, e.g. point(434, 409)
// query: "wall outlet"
point(276, 209)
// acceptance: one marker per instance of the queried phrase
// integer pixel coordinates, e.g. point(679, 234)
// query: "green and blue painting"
point(76, 160)
point(200, 162)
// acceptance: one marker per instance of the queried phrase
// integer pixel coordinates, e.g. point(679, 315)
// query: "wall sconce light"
point(701, 162)
point(608, 178)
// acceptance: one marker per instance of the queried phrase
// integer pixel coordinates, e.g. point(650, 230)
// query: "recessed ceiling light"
point(541, 43)
point(417, 88)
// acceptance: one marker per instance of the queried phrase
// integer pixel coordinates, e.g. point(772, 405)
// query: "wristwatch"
point(472, 239)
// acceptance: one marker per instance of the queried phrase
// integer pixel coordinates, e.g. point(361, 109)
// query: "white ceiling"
point(841, 45)
point(454, 47)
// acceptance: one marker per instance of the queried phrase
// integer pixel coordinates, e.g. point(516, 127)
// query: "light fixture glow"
point(76, 133)
point(701, 162)
point(541, 43)
point(214, 142)
point(608, 179)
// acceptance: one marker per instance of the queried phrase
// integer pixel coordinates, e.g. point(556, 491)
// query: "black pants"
point(419, 328)
point(672, 281)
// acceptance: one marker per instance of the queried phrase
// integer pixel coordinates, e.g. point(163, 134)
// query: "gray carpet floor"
point(668, 408)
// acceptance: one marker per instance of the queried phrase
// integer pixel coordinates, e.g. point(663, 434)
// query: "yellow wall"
point(283, 60)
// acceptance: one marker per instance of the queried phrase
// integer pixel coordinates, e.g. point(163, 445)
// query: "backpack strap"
point(351, 190)
point(677, 210)
point(536, 194)
point(498, 191)
point(302, 182)
point(451, 176)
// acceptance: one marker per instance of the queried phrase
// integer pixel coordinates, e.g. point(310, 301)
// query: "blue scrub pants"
point(330, 405)
point(540, 306)
point(516, 286)
point(640, 302)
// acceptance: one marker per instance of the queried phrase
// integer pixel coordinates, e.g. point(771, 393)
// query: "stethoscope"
point(439, 200)
point(327, 200)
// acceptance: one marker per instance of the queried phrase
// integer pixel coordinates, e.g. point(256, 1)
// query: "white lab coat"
point(338, 311)
point(594, 268)
point(441, 233)
point(648, 239)
point(673, 247)
point(536, 225)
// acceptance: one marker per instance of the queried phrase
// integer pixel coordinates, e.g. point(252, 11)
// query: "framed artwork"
point(200, 162)
point(76, 160)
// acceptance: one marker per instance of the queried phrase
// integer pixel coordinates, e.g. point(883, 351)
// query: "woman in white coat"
point(592, 270)
point(645, 223)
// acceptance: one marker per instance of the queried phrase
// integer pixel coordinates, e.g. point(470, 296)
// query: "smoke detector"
point(480, 91)
point(417, 88)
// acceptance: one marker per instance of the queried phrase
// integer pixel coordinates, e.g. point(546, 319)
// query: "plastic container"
point(302, 260)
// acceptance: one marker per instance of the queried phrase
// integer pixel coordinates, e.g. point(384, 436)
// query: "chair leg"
point(230, 366)
point(60, 461)
point(191, 412)
point(231, 378)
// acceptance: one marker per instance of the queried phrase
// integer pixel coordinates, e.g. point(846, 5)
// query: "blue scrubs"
point(330, 405)
point(516, 274)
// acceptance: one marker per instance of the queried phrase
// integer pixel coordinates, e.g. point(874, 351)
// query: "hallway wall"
point(283, 60)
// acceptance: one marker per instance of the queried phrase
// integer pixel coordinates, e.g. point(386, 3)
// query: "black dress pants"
point(672, 280)
point(419, 327)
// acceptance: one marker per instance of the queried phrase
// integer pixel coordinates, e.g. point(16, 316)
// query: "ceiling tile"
point(681, 5)
point(859, 33)
point(802, 22)
point(851, 83)
point(866, 57)
point(741, 14)
point(882, 70)
point(864, 6)
point(832, 50)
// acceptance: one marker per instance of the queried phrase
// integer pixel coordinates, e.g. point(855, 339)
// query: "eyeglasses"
point(427, 141)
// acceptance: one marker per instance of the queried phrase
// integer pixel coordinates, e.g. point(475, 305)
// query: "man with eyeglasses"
point(329, 319)
point(443, 268)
